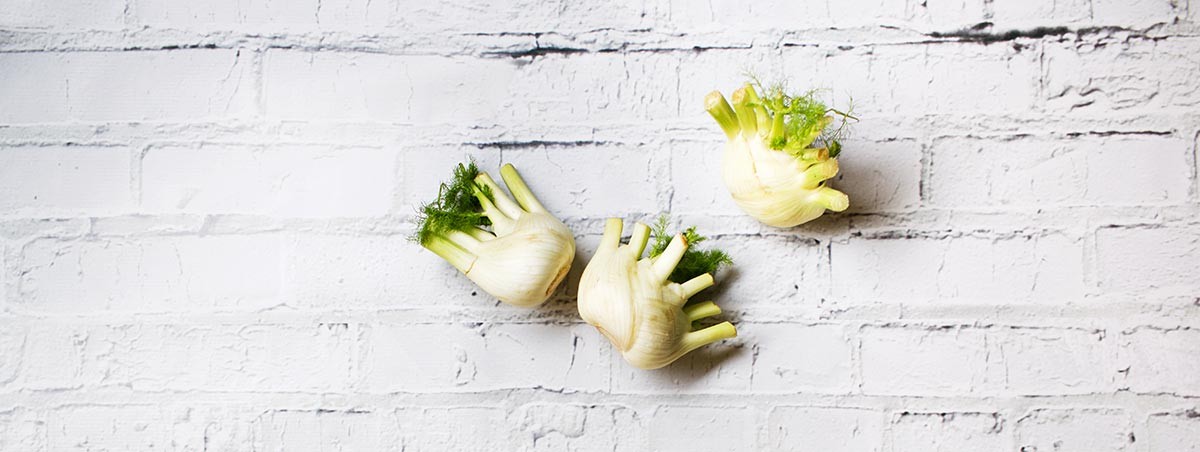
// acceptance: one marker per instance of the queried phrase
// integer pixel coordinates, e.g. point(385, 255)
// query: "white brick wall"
point(203, 211)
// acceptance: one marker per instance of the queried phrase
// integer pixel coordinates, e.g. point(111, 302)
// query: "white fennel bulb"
point(770, 166)
point(639, 303)
point(524, 255)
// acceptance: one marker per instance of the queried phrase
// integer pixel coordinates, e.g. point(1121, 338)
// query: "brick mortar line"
point(1179, 125)
point(505, 44)
point(1148, 403)
point(459, 315)
point(925, 224)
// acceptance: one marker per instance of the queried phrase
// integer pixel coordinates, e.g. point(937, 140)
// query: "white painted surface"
point(203, 211)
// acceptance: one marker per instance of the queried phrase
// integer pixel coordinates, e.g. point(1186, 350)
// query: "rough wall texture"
point(203, 211)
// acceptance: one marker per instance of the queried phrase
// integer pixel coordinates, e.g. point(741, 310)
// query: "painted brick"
point(946, 14)
point(723, 15)
point(1138, 74)
point(615, 181)
point(782, 15)
point(801, 358)
point(451, 428)
point(178, 85)
point(262, 357)
point(1176, 432)
point(556, 427)
point(409, 89)
point(609, 87)
point(1070, 430)
point(1032, 361)
point(827, 429)
point(1162, 360)
point(12, 343)
point(704, 71)
point(204, 209)
point(953, 360)
point(465, 357)
point(118, 428)
point(1072, 171)
point(1138, 13)
point(224, 14)
point(33, 88)
point(929, 270)
point(43, 182)
point(304, 182)
point(4, 270)
point(22, 429)
point(947, 432)
point(346, 271)
point(72, 14)
point(937, 77)
point(880, 176)
point(492, 15)
point(134, 426)
point(1140, 259)
point(684, 428)
point(326, 430)
point(50, 358)
point(128, 427)
point(220, 426)
point(416, 89)
point(754, 278)
point(527, 16)
point(1026, 14)
point(503, 15)
point(151, 274)
point(923, 361)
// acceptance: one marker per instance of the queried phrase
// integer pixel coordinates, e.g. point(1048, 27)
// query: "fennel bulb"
point(638, 302)
point(770, 166)
point(524, 255)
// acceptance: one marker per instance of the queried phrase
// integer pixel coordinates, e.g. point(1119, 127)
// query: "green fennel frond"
point(456, 207)
point(805, 119)
point(695, 261)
